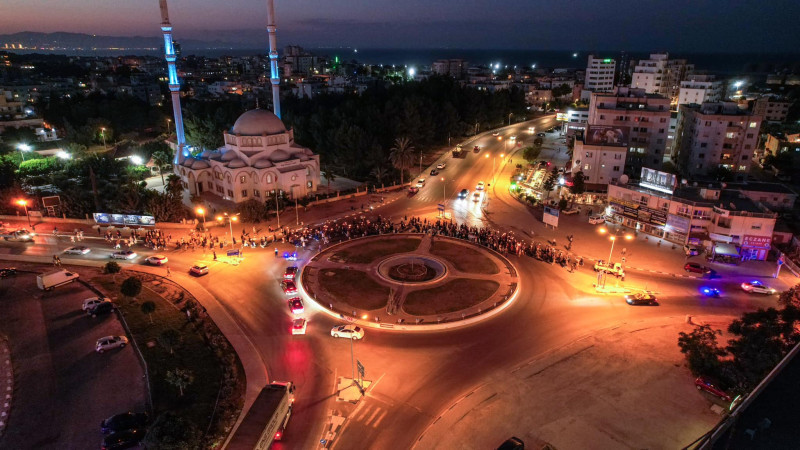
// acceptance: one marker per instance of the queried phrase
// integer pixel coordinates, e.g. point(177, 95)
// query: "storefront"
point(723, 252)
point(638, 217)
point(755, 247)
point(677, 229)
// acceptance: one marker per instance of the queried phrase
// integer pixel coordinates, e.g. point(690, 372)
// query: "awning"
point(725, 249)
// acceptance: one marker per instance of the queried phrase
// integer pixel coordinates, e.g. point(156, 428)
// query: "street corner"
point(351, 390)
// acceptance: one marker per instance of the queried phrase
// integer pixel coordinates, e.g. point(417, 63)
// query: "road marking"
point(374, 413)
point(380, 419)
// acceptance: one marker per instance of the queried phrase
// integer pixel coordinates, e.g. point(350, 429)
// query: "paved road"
point(416, 376)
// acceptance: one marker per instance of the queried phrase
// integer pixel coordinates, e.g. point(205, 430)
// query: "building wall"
point(771, 110)
point(599, 74)
point(600, 164)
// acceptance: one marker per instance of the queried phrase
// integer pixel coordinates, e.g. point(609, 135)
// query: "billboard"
point(550, 216)
point(757, 241)
point(562, 117)
point(124, 219)
point(659, 181)
point(641, 213)
point(607, 135)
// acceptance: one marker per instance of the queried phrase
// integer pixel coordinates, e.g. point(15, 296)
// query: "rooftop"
point(761, 186)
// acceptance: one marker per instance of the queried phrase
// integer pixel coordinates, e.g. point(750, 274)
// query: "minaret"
point(273, 59)
point(174, 84)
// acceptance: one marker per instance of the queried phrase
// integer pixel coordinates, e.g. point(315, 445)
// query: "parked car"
point(441, 166)
point(290, 273)
point(124, 254)
point(596, 220)
point(123, 439)
point(296, 305)
point(299, 326)
point(434, 172)
point(696, 268)
point(122, 422)
point(691, 250)
point(289, 288)
point(8, 272)
point(77, 250)
point(348, 331)
point(157, 260)
point(100, 309)
point(463, 194)
point(91, 302)
point(569, 212)
point(110, 343)
point(708, 385)
point(199, 270)
point(757, 287)
point(641, 299)
point(481, 185)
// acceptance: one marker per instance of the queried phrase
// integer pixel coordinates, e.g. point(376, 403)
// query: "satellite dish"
point(623, 179)
point(684, 181)
point(724, 185)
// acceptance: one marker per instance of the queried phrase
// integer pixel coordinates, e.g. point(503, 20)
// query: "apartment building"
point(714, 135)
point(599, 74)
point(772, 109)
point(661, 75)
point(601, 163)
point(455, 68)
point(700, 89)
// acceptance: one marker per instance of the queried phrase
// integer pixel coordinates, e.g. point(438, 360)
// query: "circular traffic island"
point(409, 279)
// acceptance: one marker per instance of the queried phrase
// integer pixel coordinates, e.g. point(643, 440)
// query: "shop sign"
point(678, 223)
point(756, 241)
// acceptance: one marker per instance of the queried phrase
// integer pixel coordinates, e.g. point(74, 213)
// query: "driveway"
point(63, 389)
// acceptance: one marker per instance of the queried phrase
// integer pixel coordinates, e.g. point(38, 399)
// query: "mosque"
point(259, 158)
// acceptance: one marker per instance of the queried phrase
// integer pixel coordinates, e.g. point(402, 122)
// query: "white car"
point(758, 287)
point(495, 134)
point(441, 166)
point(299, 326)
point(91, 302)
point(480, 185)
point(596, 220)
point(513, 138)
point(110, 342)
point(348, 331)
point(79, 250)
point(199, 270)
point(691, 250)
point(125, 254)
point(421, 182)
point(157, 260)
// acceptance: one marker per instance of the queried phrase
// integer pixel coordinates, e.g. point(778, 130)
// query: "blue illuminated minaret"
point(273, 59)
point(174, 84)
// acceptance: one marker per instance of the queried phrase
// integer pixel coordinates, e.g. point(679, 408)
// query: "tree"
point(203, 133)
point(172, 432)
point(180, 378)
point(149, 308)
point(131, 287)
point(400, 155)
point(702, 351)
point(169, 339)
point(551, 181)
point(531, 153)
point(562, 204)
point(161, 159)
point(378, 174)
point(578, 186)
point(327, 173)
point(112, 267)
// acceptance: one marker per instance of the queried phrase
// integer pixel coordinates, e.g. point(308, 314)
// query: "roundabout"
point(410, 281)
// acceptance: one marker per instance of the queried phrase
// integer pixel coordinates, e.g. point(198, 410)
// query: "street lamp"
point(230, 219)
point(103, 134)
point(444, 195)
point(22, 149)
point(201, 211)
point(24, 204)
point(613, 240)
point(509, 118)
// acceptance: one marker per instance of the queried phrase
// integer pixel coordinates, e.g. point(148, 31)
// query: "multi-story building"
point(455, 68)
point(14, 113)
point(781, 143)
point(642, 119)
point(714, 135)
point(725, 221)
point(661, 75)
point(772, 109)
point(599, 74)
point(700, 89)
point(600, 163)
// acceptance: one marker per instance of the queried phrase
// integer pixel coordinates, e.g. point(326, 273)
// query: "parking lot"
point(63, 388)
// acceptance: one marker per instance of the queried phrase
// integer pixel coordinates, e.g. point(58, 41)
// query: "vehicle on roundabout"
point(421, 183)
point(476, 197)
point(441, 166)
point(691, 250)
point(299, 326)
point(463, 194)
point(481, 185)
point(77, 250)
point(615, 269)
point(495, 134)
point(8, 272)
point(124, 421)
point(348, 331)
point(597, 220)
point(156, 260)
point(434, 172)
point(124, 254)
point(290, 256)
point(288, 287)
point(641, 299)
point(710, 291)
point(290, 273)
point(757, 287)
point(413, 190)
point(296, 305)
point(91, 302)
point(693, 267)
point(476, 149)
point(199, 270)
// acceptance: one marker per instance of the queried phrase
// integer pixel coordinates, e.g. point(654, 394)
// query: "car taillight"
point(278, 436)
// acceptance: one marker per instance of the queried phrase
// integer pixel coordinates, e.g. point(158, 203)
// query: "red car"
point(288, 287)
point(296, 305)
point(696, 268)
point(705, 384)
point(290, 273)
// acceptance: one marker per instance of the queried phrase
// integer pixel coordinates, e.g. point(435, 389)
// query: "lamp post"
point(444, 196)
point(24, 204)
point(169, 129)
point(202, 212)
point(103, 134)
point(22, 149)
point(231, 219)
point(613, 240)
point(277, 212)
point(509, 118)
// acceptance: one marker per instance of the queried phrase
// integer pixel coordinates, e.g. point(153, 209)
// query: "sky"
point(643, 25)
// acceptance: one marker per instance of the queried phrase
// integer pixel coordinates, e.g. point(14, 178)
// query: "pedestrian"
point(169, 272)
point(276, 252)
point(215, 254)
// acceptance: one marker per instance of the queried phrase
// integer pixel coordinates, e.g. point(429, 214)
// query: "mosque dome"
point(229, 156)
point(199, 164)
point(258, 122)
point(279, 155)
point(236, 164)
point(262, 163)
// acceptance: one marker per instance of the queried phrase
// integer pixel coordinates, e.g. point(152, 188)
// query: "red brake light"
point(278, 436)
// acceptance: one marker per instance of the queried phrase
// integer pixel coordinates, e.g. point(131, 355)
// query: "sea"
point(717, 63)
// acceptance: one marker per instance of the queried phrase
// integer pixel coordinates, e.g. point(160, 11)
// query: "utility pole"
point(277, 212)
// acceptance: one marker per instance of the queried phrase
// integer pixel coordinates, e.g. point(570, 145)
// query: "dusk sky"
point(675, 25)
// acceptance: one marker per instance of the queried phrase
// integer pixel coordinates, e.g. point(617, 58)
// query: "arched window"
point(269, 178)
point(308, 171)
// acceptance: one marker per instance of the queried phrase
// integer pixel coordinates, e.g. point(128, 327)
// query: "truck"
point(48, 280)
point(266, 419)
point(21, 235)
point(612, 268)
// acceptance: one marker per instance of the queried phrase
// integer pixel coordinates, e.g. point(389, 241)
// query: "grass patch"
point(368, 251)
point(200, 348)
point(456, 295)
point(464, 258)
point(354, 288)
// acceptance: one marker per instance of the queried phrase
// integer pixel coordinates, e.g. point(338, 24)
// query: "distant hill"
point(64, 40)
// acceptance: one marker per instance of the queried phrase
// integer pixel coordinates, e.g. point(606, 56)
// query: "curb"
point(6, 383)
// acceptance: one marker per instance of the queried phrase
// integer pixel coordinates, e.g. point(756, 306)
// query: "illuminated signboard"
point(608, 60)
point(659, 181)
point(563, 117)
point(607, 135)
point(124, 219)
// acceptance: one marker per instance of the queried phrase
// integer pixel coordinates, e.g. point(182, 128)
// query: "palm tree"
point(379, 173)
point(401, 155)
point(327, 173)
point(161, 159)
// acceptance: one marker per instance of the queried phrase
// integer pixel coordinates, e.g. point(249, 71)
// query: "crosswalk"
point(370, 415)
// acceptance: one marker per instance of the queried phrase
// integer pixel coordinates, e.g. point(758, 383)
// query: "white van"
point(49, 280)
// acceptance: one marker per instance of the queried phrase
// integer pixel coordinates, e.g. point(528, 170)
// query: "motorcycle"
point(710, 292)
